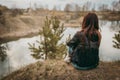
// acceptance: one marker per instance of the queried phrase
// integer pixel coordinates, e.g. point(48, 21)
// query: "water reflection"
point(18, 55)
point(102, 23)
point(115, 25)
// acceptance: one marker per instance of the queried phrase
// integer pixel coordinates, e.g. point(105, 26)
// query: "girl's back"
point(85, 52)
point(85, 43)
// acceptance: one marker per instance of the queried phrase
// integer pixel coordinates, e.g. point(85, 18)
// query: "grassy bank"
point(20, 26)
point(59, 70)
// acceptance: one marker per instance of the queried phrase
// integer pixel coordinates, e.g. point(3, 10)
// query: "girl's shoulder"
point(79, 32)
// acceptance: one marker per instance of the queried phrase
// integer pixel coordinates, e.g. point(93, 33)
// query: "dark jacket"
point(85, 53)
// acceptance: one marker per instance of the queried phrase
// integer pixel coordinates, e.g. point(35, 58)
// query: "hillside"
point(59, 70)
point(20, 26)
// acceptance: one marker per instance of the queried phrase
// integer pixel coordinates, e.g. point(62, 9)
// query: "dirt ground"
point(59, 70)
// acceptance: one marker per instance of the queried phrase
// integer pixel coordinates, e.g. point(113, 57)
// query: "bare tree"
point(14, 6)
point(86, 6)
point(40, 7)
point(35, 6)
point(67, 8)
point(59, 7)
point(93, 8)
point(103, 7)
point(116, 5)
point(55, 8)
point(77, 8)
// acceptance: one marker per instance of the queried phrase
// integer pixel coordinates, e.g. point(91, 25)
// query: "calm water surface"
point(19, 54)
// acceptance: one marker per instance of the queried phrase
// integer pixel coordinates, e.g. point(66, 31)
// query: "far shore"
point(25, 34)
point(28, 25)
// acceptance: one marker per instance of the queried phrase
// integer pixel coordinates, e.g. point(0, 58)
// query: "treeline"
point(89, 6)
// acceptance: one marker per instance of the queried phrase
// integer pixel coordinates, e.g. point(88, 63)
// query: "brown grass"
point(59, 70)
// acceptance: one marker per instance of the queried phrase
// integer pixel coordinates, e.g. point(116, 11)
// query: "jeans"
point(70, 50)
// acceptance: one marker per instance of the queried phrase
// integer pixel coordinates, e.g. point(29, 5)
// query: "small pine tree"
point(117, 40)
point(49, 45)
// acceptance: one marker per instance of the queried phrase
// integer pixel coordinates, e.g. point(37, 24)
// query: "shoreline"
point(15, 36)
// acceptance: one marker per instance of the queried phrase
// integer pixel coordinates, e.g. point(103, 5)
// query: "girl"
point(84, 46)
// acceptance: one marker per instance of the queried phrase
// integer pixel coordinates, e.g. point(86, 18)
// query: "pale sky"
point(50, 3)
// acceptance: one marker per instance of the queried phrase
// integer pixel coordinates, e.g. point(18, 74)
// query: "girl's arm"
point(74, 41)
point(100, 37)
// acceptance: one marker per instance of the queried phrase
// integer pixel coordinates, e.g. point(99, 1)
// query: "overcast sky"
point(50, 3)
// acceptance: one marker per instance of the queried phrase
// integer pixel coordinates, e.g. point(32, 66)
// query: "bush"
point(117, 40)
point(16, 12)
point(2, 53)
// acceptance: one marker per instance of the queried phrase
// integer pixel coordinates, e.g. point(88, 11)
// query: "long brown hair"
point(90, 23)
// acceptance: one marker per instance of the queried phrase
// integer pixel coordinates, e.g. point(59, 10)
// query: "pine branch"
point(116, 40)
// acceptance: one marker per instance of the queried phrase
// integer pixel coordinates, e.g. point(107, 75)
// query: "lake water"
point(18, 54)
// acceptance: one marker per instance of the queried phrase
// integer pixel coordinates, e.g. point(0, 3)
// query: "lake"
point(18, 53)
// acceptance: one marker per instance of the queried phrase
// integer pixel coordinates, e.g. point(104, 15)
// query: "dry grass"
point(20, 26)
point(59, 70)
